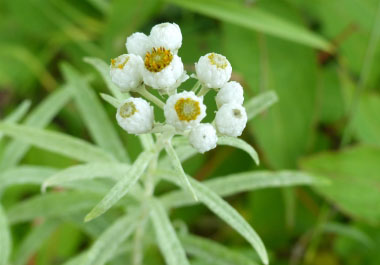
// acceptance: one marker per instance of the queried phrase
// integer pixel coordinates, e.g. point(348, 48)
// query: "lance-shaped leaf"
point(122, 186)
point(109, 241)
point(176, 162)
point(260, 103)
point(254, 19)
point(167, 239)
point(213, 253)
point(241, 144)
point(92, 112)
point(38, 118)
point(86, 172)
point(57, 142)
point(17, 114)
point(5, 238)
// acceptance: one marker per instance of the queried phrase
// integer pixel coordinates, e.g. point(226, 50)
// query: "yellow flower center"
point(127, 110)
point(158, 59)
point(218, 60)
point(119, 62)
point(187, 109)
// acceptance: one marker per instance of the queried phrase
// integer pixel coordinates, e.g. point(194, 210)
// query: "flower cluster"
point(152, 61)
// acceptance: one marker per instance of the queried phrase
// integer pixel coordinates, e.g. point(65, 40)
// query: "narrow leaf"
point(92, 112)
point(86, 172)
point(260, 103)
point(349, 232)
point(241, 144)
point(107, 244)
point(122, 186)
point(5, 238)
point(19, 112)
point(57, 142)
point(213, 253)
point(176, 163)
point(111, 100)
point(167, 239)
point(38, 118)
point(254, 19)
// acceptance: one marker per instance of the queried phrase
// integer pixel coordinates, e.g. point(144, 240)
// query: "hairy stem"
point(145, 93)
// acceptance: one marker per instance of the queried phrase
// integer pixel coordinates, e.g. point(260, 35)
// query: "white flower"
point(184, 110)
point(163, 70)
point(231, 119)
point(138, 43)
point(125, 71)
point(167, 35)
point(231, 92)
point(203, 137)
point(213, 70)
point(135, 115)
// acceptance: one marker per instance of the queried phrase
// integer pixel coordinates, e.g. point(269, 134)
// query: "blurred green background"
point(326, 122)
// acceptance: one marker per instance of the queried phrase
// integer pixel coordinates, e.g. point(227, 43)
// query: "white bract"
point(135, 115)
point(125, 71)
point(203, 137)
point(167, 35)
point(231, 92)
point(139, 44)
point(213, 70)
point(184, 110)
point(231, 119)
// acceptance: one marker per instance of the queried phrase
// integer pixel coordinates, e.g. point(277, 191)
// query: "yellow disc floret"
point(127, 110)
point(218, 61)
point(119, 62)
point(158, 59)
point(187, 109)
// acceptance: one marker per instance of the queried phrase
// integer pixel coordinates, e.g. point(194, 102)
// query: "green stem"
point(145, 93)
point(203, 91)
point(196, 87)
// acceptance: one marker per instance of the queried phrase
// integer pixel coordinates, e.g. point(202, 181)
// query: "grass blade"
point(39, 118)
point(108, 243)
point(167, 239)
point(213, 253)
point(254, 19)
point(19, 112)
point(260, 103)
point(5, 238)
point(176, 163)
point(57, 142)
point(34, 241)
point(85, 172)
point(241, 144)
point(122, 186)
point(100, 127)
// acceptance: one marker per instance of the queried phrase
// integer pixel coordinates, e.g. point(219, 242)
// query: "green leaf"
point(167, 239)
point(354, 175)
point(348, 231)
point(213, 253)
point(228, 214)
point(104, 70)
point(241, 144)
point(176, 163)
point(19, 112)
point(109, 241)
point(5, 235)
point(100, 127)
point(86, 172)
point(58, 204)
point(122, 186)
point(260, 103)
point(39, 118)
point(57, 142)
point(33, 241)
point(242, 182)
point(254, 19)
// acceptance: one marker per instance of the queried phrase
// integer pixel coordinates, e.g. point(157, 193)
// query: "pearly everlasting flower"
point(231, 92)
point(184, 110)
point(125, 71)
point(139, 44)
point(203, 137)
point(231, 119)
point(135, 115)
point(163, 70)
point(166, 35)
point(213, 70)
